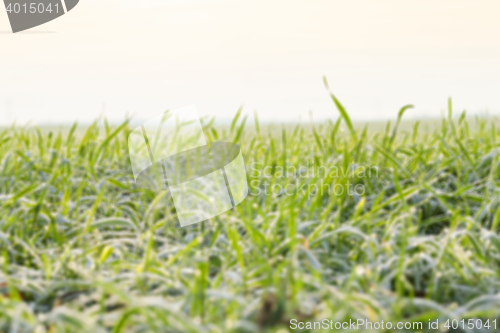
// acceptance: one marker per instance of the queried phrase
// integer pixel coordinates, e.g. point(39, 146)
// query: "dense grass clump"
point(413, 236)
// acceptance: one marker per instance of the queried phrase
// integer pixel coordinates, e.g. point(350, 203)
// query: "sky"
point(142, 57)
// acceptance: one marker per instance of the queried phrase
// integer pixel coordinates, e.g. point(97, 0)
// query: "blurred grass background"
point(83, 249)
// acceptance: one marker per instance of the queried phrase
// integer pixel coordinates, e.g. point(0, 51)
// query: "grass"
point(82, 249)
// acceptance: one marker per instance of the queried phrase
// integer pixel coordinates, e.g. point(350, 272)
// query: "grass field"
point(413, 236)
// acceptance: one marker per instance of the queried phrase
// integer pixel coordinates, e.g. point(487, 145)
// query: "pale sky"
point(146, 56)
